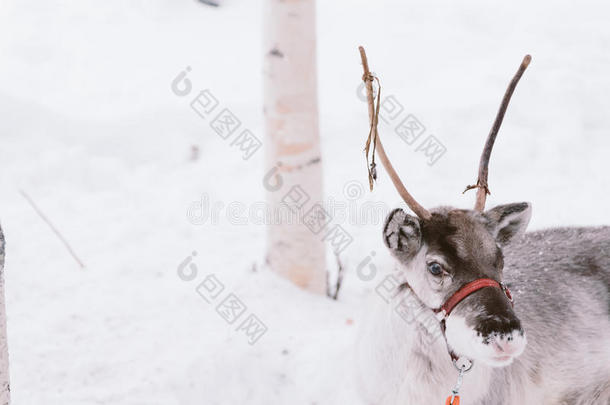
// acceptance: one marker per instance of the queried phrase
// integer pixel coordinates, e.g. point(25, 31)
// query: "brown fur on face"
point(471, 252)
point(461, 237)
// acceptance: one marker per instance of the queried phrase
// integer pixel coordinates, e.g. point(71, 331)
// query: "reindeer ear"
point(402, 233)
point(505, 222)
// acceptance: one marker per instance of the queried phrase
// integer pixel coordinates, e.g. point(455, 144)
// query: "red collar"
point(468, 289)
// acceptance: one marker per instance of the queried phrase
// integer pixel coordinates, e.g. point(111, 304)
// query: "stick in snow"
point(59, 235)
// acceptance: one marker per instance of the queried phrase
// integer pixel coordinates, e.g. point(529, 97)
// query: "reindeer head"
point(451, 248)
point(444, 250)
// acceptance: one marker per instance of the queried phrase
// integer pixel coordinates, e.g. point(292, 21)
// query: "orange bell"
point(456, 400)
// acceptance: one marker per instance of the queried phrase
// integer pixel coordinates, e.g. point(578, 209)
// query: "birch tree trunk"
point(4, 375)
point(292, 143)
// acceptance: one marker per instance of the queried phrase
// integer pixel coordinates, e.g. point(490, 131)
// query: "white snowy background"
point(91, 130)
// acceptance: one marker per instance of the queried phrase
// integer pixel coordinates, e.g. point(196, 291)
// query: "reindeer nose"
point(509, 345)
point(499, 324)
point(503, 333)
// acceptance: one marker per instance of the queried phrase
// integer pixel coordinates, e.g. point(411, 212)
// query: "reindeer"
point(465, 269)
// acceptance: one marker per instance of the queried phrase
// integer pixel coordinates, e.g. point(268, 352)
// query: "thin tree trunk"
point(293, 140)
point(4, 375)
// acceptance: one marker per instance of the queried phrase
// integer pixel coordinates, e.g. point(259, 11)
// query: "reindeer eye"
point(435, 269)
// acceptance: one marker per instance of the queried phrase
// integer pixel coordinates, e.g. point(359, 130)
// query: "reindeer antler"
point(368, 78)
point(482, 186)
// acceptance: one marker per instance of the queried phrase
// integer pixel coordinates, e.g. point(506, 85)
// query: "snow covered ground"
point(92, 132)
